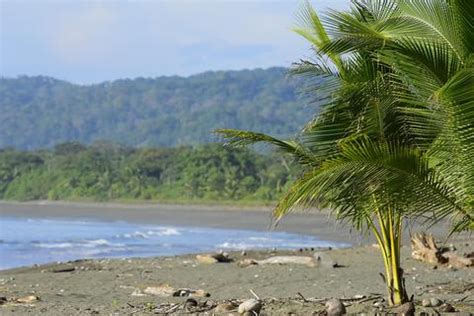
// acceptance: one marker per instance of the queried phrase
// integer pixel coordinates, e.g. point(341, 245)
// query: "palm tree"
point(394, 139)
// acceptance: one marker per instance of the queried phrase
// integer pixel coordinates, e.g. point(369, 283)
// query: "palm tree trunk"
point(388, 237)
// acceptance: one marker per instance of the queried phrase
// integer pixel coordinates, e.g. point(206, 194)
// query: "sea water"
point(27, 241)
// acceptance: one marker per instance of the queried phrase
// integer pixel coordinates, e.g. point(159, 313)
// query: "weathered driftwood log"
point(424, 248)
point(165, 290)
point(213, 258)
point(458, 261)
point(304, 260)
point(319, 259)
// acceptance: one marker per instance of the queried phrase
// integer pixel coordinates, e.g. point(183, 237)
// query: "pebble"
point(250, 305)
point(334, 307)
point(378, 304)
point(426, 302)
point(190, 303)
point(224, 308)
point(435, 302)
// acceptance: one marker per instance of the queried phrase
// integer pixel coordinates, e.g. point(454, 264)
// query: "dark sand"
point(105, 286)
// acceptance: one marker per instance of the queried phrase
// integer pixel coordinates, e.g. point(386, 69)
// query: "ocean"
point(28, 241)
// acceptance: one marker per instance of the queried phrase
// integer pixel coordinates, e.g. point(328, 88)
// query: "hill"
point(39, 112)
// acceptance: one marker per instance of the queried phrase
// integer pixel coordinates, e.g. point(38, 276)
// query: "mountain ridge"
point(40, 111)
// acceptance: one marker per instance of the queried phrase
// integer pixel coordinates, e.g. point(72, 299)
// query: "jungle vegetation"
point(104, 171)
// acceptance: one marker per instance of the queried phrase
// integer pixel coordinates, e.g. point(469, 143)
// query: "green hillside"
point(39, 112)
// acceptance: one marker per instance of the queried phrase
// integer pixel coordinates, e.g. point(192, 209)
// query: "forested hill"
point(39, 112)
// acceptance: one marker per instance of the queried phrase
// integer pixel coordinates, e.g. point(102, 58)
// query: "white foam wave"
point(79, 244)
point(239, 246)
point(55, 245)
point(263, 239)
point(166, 231)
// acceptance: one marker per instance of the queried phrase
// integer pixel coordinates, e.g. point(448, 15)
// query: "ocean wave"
point(264, 239)
point(94, 243)
point(54, 245)
point(166, 231)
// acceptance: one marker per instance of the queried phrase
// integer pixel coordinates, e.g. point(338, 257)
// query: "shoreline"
point(316, 223)
point(211, 216)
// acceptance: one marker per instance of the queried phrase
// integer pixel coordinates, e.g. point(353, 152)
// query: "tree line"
point(104, 171)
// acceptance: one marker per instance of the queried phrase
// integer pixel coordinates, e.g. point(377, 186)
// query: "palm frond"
point(240, 138)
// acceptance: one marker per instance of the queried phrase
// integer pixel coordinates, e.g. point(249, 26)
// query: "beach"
point(118, 286)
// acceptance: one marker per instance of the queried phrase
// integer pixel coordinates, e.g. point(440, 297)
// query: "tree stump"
point(424, 249)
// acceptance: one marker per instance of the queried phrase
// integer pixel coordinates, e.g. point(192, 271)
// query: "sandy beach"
point(116, 286)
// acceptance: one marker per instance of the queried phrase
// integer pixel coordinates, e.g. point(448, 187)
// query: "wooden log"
point(458, 262)
point(424, 249)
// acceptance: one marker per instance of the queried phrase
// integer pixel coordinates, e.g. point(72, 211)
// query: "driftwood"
point(304, 260)
point(213, 258)
point(424, 249)
point(166, 290)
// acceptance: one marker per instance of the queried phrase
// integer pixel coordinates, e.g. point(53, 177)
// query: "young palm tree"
point(395, 138)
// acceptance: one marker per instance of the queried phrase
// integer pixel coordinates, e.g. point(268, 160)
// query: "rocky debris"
point(435, 302)
point(251, 306)
point(447, 308)
point(213, 258)
point(190, 303)
point(424, 249)
point(431, 302)
point(407, 309)
point(224, 308)
point(3, 300)
point(334, 307)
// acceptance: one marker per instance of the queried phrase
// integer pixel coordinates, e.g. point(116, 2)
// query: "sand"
point(105, 286)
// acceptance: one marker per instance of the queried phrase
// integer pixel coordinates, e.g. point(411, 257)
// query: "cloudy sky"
point(93, 41)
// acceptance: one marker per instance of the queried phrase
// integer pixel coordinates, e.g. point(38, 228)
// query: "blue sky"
point(94, 41)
